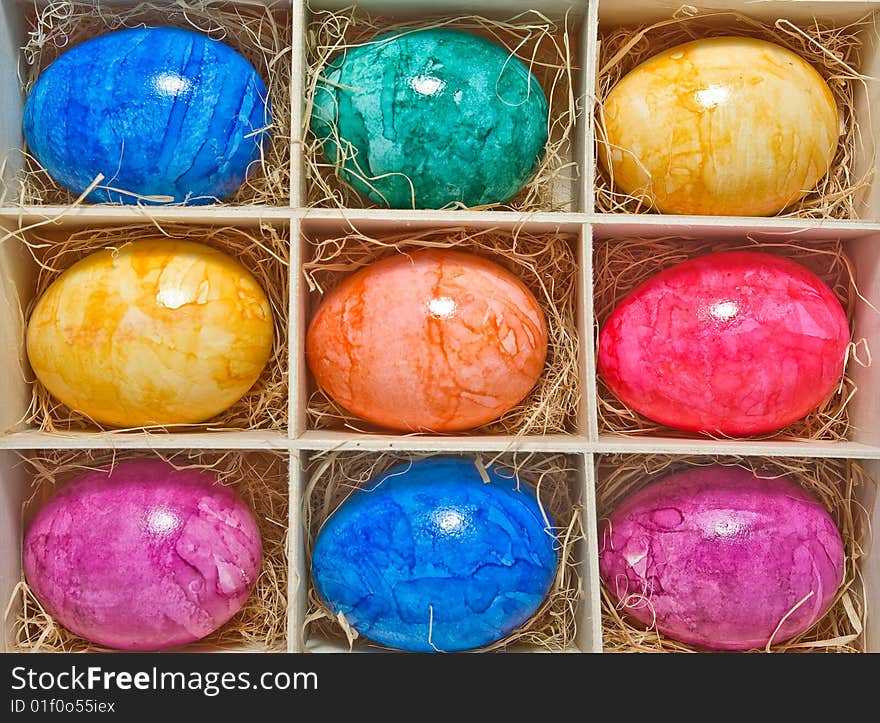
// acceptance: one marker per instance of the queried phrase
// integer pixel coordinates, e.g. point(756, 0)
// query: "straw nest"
point(621, 265)
point(332, 476)
point(841, 485)
point(547, 265)
point(835, 52)
point(260, 32)
point(262, 481)
point(546, 46)
point(263, 250)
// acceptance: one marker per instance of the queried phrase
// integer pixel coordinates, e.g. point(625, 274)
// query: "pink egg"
point(144, 556)
point(731, 343)
point(718, 558)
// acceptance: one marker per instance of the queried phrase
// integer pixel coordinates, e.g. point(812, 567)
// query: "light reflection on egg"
point(720, 126)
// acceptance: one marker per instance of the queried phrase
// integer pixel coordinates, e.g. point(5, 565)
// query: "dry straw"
point(547, 265)
point(833, 51)
point(621, 265)
point(264, 251)
point(332, 476)
point(841, 485)
point(545, 45)
point(260, 32)
point(262, 481)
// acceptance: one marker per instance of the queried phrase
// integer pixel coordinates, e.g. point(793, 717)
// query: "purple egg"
point(719, 558)
point(144, 556)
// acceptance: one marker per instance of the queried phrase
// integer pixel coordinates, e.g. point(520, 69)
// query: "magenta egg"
point(143, 556)
point(732, 343)
point(719, 558)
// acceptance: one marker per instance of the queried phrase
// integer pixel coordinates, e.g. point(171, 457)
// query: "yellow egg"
point(158, 332)
point(722, 126)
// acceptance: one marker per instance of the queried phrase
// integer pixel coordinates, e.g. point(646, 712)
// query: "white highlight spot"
point(728, 527)
point(427, 84)
point(171, 84)
point(161, 521)
point(442, 307)
point(449, 520)
point(172, 298)
point(724, 310)
point(712, 96)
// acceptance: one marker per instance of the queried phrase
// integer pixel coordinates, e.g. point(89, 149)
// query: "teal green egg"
point(431, 118)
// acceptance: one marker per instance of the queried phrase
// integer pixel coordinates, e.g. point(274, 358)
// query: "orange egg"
point(434, 340)
point(721, 126)
point(157, 332)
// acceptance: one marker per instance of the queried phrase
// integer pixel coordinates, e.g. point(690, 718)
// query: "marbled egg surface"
point(720, 126)
point(434, 340)
point(732, 343)
point(429, 557)
point(143, 556)
point(159, 112)
point(721, 557)
point(428, 118)
point(155, 332)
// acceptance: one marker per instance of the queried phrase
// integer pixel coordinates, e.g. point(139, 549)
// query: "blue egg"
point(429, 557)
point(157, 111)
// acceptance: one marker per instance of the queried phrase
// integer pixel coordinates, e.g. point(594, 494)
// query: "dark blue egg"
point(429, 557)
point(157, 111)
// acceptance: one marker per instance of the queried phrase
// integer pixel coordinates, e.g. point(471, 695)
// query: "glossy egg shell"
point(143, 556)
point(721, 556)
point(732, 343)
point(428, 118)
point(430, 557)
point(158, 111)
point(720, 126)
point(433, 340)
point(156, 332)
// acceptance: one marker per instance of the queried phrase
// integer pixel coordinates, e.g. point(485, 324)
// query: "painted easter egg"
point(720, 126)
point(429, 118)
point(143, 556)
point(434, 340)
point(160, 112)
point(429, 557)
point(154, 332)
point(722, 559)
point(732, 343)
